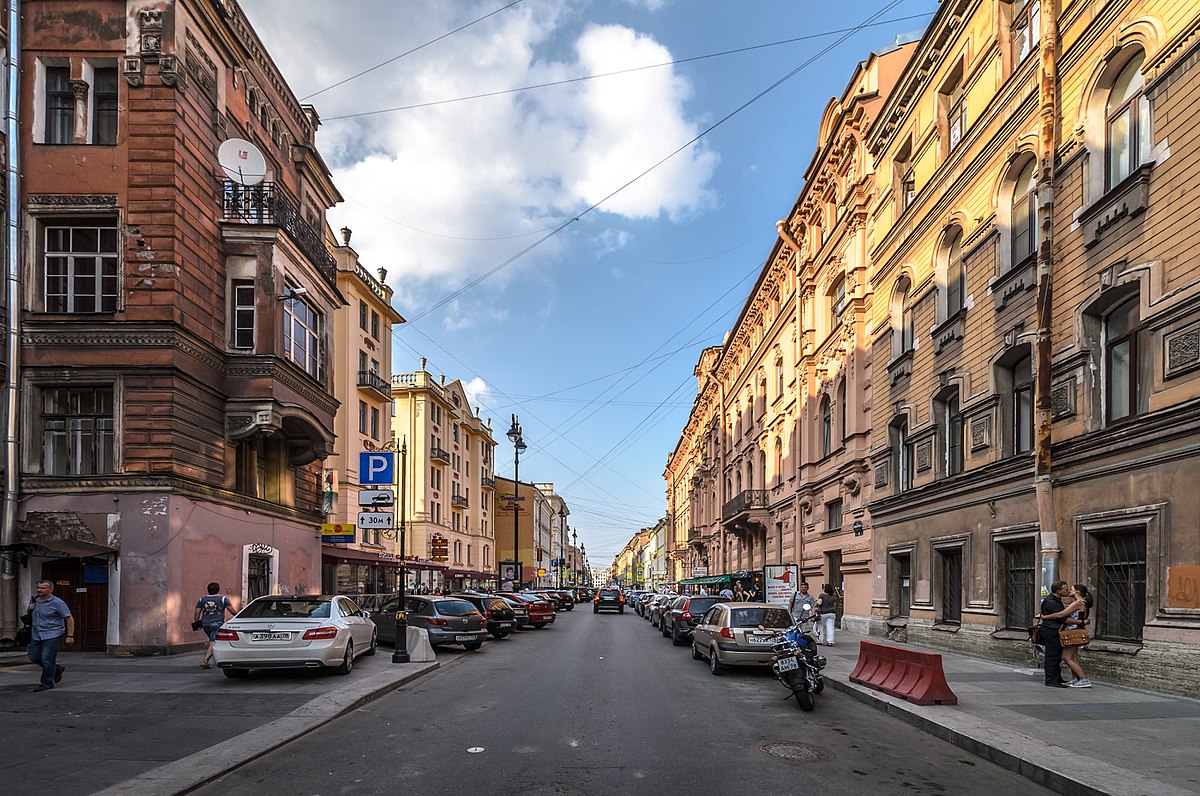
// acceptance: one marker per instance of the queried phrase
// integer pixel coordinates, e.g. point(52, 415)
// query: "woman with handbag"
point(1075, 628)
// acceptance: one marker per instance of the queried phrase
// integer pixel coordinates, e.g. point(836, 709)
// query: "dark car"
point(559, 600)
point(657, 607)
point(497, 613)
point(448, 620)
point(680, 617)
point(520, 610)
point(541, 611)
point(608, 600)
point(566, 598)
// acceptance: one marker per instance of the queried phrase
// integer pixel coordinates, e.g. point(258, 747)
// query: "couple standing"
point(824, 606)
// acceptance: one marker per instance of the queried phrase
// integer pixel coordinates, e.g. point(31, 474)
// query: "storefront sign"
point(780, 581)
point(337, 533)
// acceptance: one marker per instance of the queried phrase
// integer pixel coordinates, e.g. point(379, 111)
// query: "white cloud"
point(455, 189)
point(478, 392)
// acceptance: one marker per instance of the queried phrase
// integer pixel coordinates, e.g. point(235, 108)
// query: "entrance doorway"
point(82, 583)
point(833, 565)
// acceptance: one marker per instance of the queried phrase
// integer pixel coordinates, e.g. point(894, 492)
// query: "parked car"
point(447, 619)
point(738, 634)
point(541, 611)
point(682, 614)
point(608, 600)
point(498, 615)
point(654, 609)
point(565, 597)
point(520, 610)
point(560, 601)
point(290, 631)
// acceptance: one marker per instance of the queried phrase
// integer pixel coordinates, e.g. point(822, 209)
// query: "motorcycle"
point(796, 663)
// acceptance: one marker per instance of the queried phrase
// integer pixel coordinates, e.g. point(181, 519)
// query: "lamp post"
point(400, 655)
point(515, 437)
point(574, 558)
point(583, 564)
point(562, 541)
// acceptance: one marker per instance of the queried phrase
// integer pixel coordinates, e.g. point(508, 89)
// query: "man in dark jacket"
point(1053, 612)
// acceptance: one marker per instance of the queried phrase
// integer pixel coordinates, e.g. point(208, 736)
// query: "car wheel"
point(374, 643)
point(496, 634)
point(663, 627)
point(347, 660)
point(696, 654)
point(677, 639)
point(539, 625)
point(506, 634)
point(714, 665)
point(236, 674)
point(620, 610)
point(473, 645)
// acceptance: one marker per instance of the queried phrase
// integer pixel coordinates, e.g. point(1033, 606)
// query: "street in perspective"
point(655, 396)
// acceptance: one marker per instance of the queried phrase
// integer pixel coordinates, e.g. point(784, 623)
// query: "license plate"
point(464, 638)
point(788, 664)
point(759, 639)
point(270, 636)
point(506, 624)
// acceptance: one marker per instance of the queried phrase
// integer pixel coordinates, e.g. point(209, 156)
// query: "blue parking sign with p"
point(376, 468)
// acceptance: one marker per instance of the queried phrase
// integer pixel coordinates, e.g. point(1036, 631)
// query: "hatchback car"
point(608, 600)
point(498, 615)
point(681, 615)
point(541, 612)
point(656, 607)
point(738, 634)
point(520, 610)
point(448, 620)
point(289, 631)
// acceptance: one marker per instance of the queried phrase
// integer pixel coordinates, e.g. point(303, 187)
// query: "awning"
point(707, 580)
point(352, 555)
point(466, 573)
point(63, 534)
point(62, 548)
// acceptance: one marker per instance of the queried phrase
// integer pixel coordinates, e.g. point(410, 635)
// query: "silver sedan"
point(738, 634)
point(288, 631)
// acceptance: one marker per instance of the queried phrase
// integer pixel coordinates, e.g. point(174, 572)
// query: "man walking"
point(52, 622)
point(210, 613)
point(802, 604)
point(1052, 615)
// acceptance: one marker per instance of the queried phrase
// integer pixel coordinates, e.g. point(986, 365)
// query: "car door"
point(360, 625)
point(384, 618)
point(706, 629)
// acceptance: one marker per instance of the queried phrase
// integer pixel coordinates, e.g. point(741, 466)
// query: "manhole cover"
point(796, 752)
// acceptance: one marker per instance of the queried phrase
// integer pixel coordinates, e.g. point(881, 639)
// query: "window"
point(1024, 226)
point(952, 434)
point(104, 104)
point(243, 314)
point(362, 361)
point(1121, 329)
point(779, 377)
point(837, 303)
point(956, 273)
point(902, 450)
point(375, 324)
point(1128, 122)
point(778, 460)
point(362, 417)
point(81, 268)
point(362, 318)
point(950, 566)
point(841, 401)
point(77, 430)
point(1026, 28)
point(833, 516)
point(302, 337)
point(826, 426)
point(1022, 405)
point(955, 103)
point(902, 318)
point(1121, 601)
point(60, 106)
point(905, 184)
point(902, 583)
point(374, 423)
point(1021, 573)
point(454, 432)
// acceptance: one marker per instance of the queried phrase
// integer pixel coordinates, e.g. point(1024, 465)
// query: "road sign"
point(383, 498)
point(699, 572)
point(376, 520)
point(376, 468)
point(338, 533)
point(541, 572)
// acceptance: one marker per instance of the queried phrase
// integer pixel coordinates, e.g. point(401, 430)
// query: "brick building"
point(176, 397)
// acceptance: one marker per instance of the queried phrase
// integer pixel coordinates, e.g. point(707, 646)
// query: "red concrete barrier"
point(906, 673)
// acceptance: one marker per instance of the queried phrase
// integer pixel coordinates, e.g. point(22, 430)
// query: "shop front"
point(468, 580)
point(367, 576)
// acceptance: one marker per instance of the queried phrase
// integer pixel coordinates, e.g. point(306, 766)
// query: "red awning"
point(466, 573)
point(352, 555)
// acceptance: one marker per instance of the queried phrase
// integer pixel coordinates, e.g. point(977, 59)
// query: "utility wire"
point(344, 81)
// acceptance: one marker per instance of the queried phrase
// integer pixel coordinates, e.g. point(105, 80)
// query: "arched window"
point(826, 426)
point(1127, 118)
point(902, 317)
point(778, 460)
point(1024, 219)
point(779, 376)
point(956, 273)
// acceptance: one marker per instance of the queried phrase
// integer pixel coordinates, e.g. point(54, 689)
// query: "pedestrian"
point(1078, 619)
point(727, 593)
point(1052, 615)
point(52, 624)
point(703, 592)
point(210, 613)
point(802, 604)
point(739, 593)
point(826, 615)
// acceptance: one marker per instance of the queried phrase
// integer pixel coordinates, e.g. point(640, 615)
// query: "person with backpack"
point(826, 615)
point(210, 613)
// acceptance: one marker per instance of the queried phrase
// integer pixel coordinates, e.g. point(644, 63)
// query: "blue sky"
point(589, 333)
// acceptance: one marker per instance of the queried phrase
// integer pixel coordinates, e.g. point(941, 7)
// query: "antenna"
point(242, 162)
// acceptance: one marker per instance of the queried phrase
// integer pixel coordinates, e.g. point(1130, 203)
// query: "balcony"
point(487, 483)
point(459, 501)
point(373, 381)
point(266, 204)
point(439, 454)
point(695, 536)
point(748, 511)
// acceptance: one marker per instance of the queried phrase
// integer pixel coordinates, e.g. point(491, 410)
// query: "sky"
point(572, 198)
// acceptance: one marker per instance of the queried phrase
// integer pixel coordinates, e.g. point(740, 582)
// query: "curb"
point(1053, 767)
point(200, 768)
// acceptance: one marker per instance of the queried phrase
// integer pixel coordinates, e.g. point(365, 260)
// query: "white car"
point(290, 631)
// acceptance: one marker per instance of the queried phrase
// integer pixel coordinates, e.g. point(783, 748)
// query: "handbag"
point(197, 624)
point(1075, 637)
point(1035, 633)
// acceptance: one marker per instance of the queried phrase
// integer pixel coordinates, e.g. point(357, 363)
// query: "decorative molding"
point(1062, 399)
point(901, 367)
point(981, 428)
point(131, 68)
point(169, 72)
point(1129, 199)
point(951, 331)
point(924, 456)
point(1181, 351)
point(73, 200)
point(1013, 282)
point(150, 37)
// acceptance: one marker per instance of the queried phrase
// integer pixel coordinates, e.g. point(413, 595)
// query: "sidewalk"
point(1099, 740)
point(160, 725)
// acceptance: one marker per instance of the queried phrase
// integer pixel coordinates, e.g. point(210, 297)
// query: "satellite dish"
point(242, 162)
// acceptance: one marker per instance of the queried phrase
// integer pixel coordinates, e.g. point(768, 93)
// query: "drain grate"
point(797, 752)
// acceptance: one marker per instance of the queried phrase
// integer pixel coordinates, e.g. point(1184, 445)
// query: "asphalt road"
point(602, 704)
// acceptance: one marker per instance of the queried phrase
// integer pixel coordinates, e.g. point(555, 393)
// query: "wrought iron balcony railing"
point(441, 454)
point(373, 381)
point(265, 203)
point(748, 499)
point(488, 483)
point(460, 501)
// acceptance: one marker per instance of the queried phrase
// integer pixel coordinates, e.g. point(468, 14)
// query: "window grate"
point(1020, 582)
point(1122, 596)
point(952, 592)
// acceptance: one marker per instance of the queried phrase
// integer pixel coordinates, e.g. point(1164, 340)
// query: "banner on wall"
point(779, 581)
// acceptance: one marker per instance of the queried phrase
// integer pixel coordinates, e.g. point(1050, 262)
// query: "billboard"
point(779, 581)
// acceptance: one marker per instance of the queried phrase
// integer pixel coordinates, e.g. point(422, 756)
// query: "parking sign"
point(376, 468)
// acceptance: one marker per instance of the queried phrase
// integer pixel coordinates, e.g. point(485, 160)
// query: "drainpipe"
point(1047, 139)
point(797, 513)
point(12, 342)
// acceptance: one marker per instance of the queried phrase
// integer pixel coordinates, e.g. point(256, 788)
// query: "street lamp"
point(400, 655)
point(514, 436)
point(562, 541)
point(574, 558)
